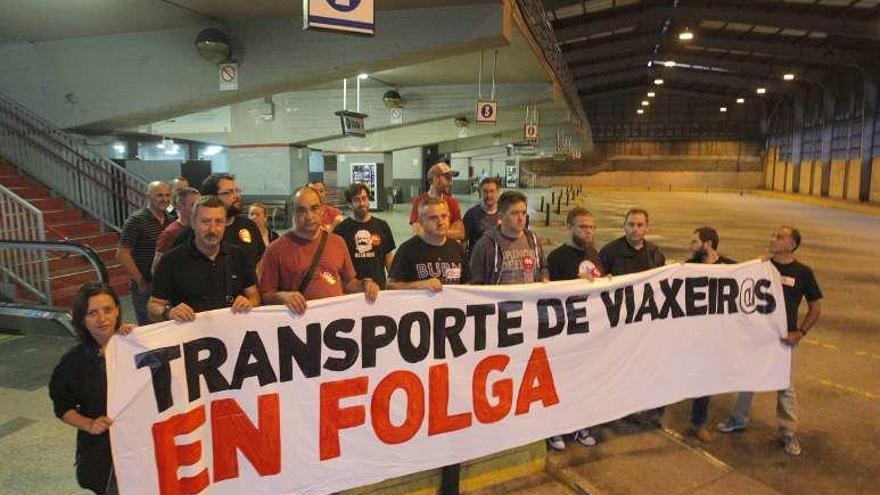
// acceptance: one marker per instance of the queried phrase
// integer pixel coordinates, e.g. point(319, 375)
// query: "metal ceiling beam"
point(610, 65)
point(817, 18)
point(745, 83)
point(639, 73)
point(642, 90)
point(613, 47)
point(642, 77)
point(756, 69)
point(827, 56)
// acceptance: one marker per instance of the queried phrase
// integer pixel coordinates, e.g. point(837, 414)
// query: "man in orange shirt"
point(290, 273)
point(440, 176)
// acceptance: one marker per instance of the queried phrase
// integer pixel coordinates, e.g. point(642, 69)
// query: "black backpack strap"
point(304, 284)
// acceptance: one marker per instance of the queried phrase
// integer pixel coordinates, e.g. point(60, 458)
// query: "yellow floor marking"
point(845, 388)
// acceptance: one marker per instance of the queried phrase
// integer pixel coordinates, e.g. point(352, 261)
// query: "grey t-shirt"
point(498, 259)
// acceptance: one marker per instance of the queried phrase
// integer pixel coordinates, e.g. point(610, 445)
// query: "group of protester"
point(212, 256)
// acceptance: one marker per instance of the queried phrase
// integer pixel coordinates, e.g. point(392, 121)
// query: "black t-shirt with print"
point(417, 260)
point(368, 244)
point(567, 262)
point(798, 282)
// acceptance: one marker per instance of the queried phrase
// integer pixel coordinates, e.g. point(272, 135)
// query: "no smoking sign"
point(228, 77)
point(487, 111)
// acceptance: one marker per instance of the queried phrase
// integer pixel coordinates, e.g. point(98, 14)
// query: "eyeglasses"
point(237, 190)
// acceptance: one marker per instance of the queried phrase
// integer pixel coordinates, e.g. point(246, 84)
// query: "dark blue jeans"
point(139, 301)
point(700, 411)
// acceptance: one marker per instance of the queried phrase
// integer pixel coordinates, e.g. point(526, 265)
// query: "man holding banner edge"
point(798, 282)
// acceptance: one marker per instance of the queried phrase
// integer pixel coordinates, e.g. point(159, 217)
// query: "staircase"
point(62, 222)
point(54, 188)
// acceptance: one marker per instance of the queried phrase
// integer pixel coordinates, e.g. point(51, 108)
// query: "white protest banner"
point(351, 393)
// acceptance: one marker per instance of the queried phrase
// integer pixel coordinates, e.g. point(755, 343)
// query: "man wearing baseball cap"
point(440, 176)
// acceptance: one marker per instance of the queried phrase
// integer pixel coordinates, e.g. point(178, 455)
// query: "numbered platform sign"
point(487, 111)
point(530, 133)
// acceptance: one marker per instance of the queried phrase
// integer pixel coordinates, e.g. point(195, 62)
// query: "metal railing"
point(35, 267)
point(92, 182)
point(542, 30)
point(20, 222)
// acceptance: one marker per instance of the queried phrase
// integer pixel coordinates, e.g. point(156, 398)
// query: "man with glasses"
point(240, 230)
point(483, 216)
point(440, 176)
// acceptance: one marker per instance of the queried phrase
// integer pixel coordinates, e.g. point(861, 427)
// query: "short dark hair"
point(207, 201)
point(510, 198)
point(491, 180)
point(211, 184)
point(355, 189)
point(708, 234)
point(795, 235)
point(577, 211)
point(81, 307)
point(636, 211)
point(181, 194)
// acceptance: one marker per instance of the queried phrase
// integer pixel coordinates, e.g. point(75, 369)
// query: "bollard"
point(547, 217)
point(552, 197)
point(559, 204)
point(542, 203)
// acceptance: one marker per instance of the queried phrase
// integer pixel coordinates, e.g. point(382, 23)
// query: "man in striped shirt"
point(137, 245)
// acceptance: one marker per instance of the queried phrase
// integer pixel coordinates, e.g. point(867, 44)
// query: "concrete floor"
point(837, 368)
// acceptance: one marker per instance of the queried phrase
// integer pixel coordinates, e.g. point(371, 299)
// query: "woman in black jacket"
point(78, 387)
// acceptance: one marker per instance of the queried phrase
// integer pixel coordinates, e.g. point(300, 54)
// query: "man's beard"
point(361, 213)
point(580, 243)
point(701, 254)
point(233, 209)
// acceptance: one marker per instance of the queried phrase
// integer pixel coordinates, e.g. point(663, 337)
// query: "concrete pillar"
point(828, 104)
point(797, 140)
point(866, 150)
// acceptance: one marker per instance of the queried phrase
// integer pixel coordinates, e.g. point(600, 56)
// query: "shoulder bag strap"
point(304, 284)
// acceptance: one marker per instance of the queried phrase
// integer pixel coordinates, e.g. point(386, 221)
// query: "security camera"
point(462, 122)
point(392, 99)
point(213, 45)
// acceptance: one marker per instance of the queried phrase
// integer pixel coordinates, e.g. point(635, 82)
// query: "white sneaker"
point(791, 445)
point(583, 436)
point(557, 443)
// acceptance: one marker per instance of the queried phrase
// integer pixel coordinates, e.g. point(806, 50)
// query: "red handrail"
point(38, 130)
point(79, 169)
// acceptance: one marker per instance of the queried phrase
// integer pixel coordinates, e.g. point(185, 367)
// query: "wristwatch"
point(166, 312)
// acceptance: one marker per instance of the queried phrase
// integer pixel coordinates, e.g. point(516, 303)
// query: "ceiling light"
point(119, 147)
point(658, 81)
point(651, 94)
point(212, 150)
point(363, 76)
point(788, 76)
point(645, 103)
point(740, 100)
point(669, 63)
point(722, 109)
point(761, 91)
point(686, 35)
point(640, 111)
